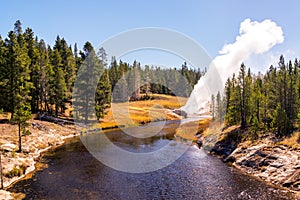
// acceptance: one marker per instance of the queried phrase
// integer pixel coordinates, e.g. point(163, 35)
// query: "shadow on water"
point(73, 173)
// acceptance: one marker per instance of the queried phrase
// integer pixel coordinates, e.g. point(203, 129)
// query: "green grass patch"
point(16, 171)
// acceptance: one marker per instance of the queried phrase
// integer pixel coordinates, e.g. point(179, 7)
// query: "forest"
point(268, 103)
point(38, 78)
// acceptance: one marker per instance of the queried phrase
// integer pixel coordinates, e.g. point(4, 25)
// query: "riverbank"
point(275, 161)
point(45, 135)
point(5, 195)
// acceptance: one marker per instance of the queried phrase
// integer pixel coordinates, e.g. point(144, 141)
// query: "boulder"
point(293, 181)
point(199, 143)
point(180, 112)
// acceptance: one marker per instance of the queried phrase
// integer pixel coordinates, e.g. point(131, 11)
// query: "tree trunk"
point(20, 138)
point(1, 172)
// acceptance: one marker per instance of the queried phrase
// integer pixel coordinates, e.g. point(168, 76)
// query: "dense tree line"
point(147, 80)
point(263, 102)
point(38, 78)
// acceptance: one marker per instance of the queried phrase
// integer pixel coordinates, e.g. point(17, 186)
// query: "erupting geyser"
point(255, 38)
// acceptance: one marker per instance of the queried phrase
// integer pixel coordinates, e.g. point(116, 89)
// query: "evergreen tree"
point(270, 101)
point(219, 107)
point(68, 64)
point(147, 80)
point(233, 115)
point(46, 77)
point(4, 76)
point(120, 93)
point(103, 93)
point(21, 116)
point(18, 69)
point(87, 81)
point(58, 86)
point(213, 111)
point(244, 82)
point(20, 80)
point(34, 68)
point(134, 80)
point(256, 99)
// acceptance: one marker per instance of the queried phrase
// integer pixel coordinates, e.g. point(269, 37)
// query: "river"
point(73, 173)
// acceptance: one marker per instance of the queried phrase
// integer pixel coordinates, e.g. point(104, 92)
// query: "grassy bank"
point(191, 130)
point(142, 112)
point(44, 135)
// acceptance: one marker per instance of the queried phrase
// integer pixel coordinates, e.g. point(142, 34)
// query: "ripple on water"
point(73, 173)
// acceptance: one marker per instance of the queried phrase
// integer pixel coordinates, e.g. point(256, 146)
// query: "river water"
point(73, 173)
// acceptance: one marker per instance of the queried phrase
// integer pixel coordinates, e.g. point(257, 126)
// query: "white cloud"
point(255, 38)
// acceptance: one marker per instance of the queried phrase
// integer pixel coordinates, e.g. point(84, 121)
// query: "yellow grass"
point(189, 130)
point(140, 112)
point(293, 141)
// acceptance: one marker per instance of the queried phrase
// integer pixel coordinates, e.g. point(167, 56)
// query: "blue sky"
point(210, 23)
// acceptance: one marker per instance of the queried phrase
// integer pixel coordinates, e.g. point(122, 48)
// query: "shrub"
point(16, 171)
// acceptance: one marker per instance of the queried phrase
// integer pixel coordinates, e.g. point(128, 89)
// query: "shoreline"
point(263, 159)
point(44, 136)
point(33, 168)
point(280, 173)
point(237, 159)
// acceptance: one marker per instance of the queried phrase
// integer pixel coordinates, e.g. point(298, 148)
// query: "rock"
point(293, 181)
point(5, 195)
point(260, 153)
point(38, 126)
point(264, 162)
point(276, 164)
point(9, 147)
point(272, 157)
point(180, 112)
point(199, 143)
point(230, 159)
point(223, 149)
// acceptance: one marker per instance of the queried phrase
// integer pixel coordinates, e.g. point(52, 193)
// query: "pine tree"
point(120, 93)
point(86, 85)
point(18, 68)
point(4, 76)
point(255, 104)
point(270, 94)
point(244, 82)
point(68, 64)
point(21, 116)
point(227, 94)
point(103, 92)
point(18, 28)
point(233, 114)
point(58, 86)
point(20, 80)
point(46, 77)
point(213, 111)
point(134, 80)
point(34, 68)
point(147, 80)
point(219, 107)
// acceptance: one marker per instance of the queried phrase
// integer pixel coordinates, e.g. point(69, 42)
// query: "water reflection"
point(73, 173)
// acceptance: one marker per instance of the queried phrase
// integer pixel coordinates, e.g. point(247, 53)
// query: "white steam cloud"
point(255, 38)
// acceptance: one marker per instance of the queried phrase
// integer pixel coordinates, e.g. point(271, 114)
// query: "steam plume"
point(255, 38)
